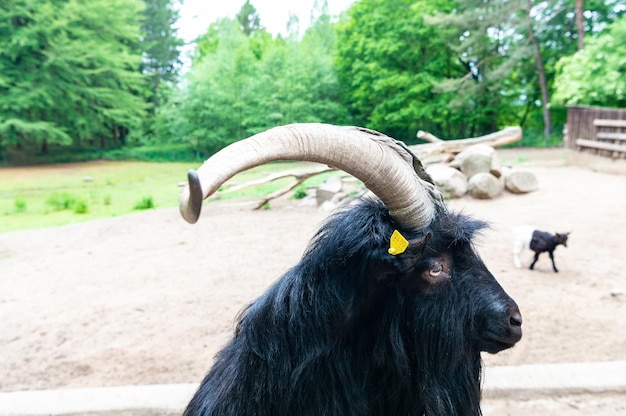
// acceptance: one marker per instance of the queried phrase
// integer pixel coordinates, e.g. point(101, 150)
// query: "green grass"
point(52, 195)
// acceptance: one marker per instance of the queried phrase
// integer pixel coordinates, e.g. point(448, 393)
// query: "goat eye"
point(436, 270)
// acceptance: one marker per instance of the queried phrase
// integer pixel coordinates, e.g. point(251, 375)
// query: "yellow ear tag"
point(397, 243)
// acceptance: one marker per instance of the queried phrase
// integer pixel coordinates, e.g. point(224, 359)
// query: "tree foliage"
point(242, 83)
point(597, 74)
point(457, 68)
point(486, 38)
point(510, 49)
point(389, 60)
point(104, 73)
point(69, 71)
point(160, 48)
point(249, 19)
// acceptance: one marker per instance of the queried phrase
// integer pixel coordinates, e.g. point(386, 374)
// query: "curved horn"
point(385, 166)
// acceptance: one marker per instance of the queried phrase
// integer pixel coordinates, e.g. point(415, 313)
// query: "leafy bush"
point(81, 206)
point(20, 205)
point(299, 193)
point(66, 201)
point(61, 201)
point(145, 203)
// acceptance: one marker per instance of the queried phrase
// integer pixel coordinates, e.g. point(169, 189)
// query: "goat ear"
point(390, 265)
point(417, 246)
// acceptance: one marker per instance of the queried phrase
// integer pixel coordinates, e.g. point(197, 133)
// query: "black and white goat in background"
point(387, 311)
point(527, 237)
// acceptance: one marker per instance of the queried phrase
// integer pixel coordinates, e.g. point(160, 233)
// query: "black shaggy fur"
point(353, 330)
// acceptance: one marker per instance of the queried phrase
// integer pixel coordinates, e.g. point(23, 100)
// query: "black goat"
point(353, 330)
point(528, 237)
point(377, 318)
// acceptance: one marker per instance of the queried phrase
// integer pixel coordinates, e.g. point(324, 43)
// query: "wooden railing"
point(607, 143)
point(597, 130)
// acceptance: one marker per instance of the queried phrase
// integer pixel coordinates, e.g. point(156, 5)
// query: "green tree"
point(389, 60)
point(69, 74)
point(216, 99)
point(547, 32)
point(207, 43)
point(240, 85)
point(249, 19)
point(250, 24)
point(304, 85)
point(160, 46)
point(510, 49)
point(596, 75)
point(483, 41)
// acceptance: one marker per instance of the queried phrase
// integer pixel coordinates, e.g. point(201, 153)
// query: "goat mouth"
point(494, 344)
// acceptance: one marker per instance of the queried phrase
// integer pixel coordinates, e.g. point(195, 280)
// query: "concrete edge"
point(172, 397)
point(541, 380)
point(527, 381)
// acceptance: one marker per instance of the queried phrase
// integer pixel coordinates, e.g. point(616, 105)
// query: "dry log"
point(270, 178)
point(499, 138)
point(428, 137)
point(298, 176)
point(299, 179)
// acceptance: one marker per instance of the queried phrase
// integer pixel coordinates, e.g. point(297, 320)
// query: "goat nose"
point(515, 319)
point(515, 323)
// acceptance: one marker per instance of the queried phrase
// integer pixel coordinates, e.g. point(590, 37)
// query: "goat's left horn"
point(386, 167)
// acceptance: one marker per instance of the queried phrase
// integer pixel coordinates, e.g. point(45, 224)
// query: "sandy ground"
point(147, 298)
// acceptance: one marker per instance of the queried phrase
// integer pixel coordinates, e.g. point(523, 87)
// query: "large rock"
point(496, 167)
point(520, 181)
point(484, 185)
point(450, 181)
point(475, 159)
point(327, 190)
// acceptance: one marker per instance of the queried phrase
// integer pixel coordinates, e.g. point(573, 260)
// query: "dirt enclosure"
point(147, 298)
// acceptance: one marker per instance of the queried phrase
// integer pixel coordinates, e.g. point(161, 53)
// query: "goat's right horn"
point(386, 167)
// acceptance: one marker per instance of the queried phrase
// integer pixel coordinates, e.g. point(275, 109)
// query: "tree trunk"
point(541, 73)
point(580, 25)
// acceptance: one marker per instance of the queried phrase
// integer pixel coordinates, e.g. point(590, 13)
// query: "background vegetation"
point(58, 194)
point(95, 79)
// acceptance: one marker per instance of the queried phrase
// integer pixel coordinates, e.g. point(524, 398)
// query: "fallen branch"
point(428, 137)
point(299, 179)
point(499, 138)
point(271, 178)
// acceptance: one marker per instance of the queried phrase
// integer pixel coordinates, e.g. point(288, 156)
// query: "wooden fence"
point(597, 130)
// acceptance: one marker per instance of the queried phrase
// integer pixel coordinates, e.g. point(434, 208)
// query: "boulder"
point(475, 159)
point(450, 181)
point(327, 190)
point(484, 185)
point(520, 181)
point(496, 167)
